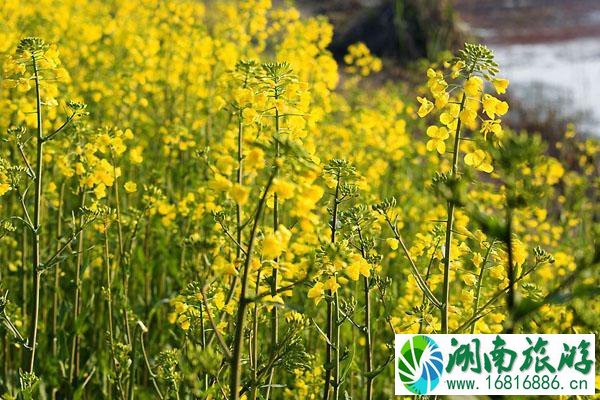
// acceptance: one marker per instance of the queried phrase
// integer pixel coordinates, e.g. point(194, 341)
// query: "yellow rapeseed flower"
point(239, 193)
point(130, 187)
point(437, 135)
point(500, 85)
point(425, 108)
point(479, 159)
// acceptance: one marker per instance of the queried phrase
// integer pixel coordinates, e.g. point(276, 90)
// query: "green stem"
point(5, 356)
point(203, 342)
point(510, 299)
point(255, 341)
point(24, 282)
point(36, 222)
point(240, 181)
point(211, 320)
point(330, 315)
point(152, 374)
point(415, 271)
point(26, 161)
point(367, 327)
point(273, 358)
point(124, 266)
point(236, 367)
point(336, 370)
point(74, 363)
point(368, 346)
point(111, 335)
point(478, 314)
point(57, 273)
point(449, 224)
point(275, 270)
point(238, 210)
point(132, 370)
point(480, 283)
point(427, 273)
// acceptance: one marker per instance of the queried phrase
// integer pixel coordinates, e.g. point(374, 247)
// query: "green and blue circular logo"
point(420, 364)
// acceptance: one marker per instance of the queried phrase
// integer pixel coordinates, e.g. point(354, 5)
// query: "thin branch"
point(347, 317)
point(25, 211)
point(420, 282)
point(477, 315)
point(212, 323)
point(279, 290)
point(480, 282)
point(30, 171)
point(60, 128)
point(152, 374)
point(234, 240)
point(64, 246)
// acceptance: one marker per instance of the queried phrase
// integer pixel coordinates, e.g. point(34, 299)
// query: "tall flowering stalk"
point(473, 65)
point(359, 218)
point(36, 47)
point(244, 300)
point(242, 106)
point(341, 175)
point(276, 77)
point(36, 56)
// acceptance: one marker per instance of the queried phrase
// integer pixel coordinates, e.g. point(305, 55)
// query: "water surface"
point(568, 70)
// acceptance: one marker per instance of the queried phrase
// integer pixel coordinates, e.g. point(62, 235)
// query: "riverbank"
point(548, 49)
point(530, 21)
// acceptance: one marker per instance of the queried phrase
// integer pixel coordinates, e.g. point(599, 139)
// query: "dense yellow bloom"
point(474, 86)
point(359, 59)
point(276, 243)
point(283, 188)
point(468, 116)
point(477, 259)
point(249, 115)
point(135, 155)
point(437, 86)
point(519, 252)
point(100, 191)
point(441, 100)
point(552, 171)
point(239, 193)
point(255, 159)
